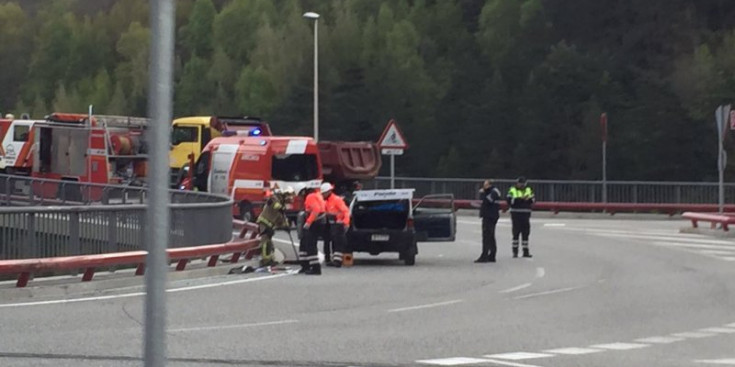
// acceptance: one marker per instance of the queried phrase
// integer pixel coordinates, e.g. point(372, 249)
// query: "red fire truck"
point(16, 139)
point(100, 149)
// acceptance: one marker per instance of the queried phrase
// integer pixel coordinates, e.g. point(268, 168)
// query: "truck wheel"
point(246, 212)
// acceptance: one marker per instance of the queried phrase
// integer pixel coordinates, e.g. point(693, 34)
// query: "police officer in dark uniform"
point(489, 212)
point(520, 199)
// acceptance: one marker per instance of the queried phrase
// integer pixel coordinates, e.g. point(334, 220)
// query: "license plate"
point(380, 237)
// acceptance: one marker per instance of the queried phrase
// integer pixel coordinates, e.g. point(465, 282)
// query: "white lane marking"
point(518, 356)
point(518, 288)
point(720, 330)
point(728, 361)
point(651, 234)
point(693, 335)
point(730, 325)
point(666, 238)
point(455, 361)
point(555, 291)
point(620, 346)
point(421, 307)
point(512, 364)
point(240, 326)
point(573, 351)
point(659, 340)
point(137, 294)
point(540, 272)
point(695, 246)
point(555, 224)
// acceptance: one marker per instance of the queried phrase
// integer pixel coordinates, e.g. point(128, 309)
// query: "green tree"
point(256, 92)
point(14, 53)
point(198, 34)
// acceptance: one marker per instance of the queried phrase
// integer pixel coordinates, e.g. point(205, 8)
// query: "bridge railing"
point(636, 192)
point(49, 218)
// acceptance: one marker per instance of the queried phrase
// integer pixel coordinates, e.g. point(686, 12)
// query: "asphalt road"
point(597, 293)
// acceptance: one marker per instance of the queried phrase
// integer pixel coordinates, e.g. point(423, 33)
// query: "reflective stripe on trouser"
point(515, 244)
point(524, 244)
point(339, 240)
point(266, 242)
point(309, 252)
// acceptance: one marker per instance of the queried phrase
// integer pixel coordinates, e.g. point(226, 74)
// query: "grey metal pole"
point(316, 80)
point(160, 96)
point(721, 169)
point(392, 171)
point(604, 171)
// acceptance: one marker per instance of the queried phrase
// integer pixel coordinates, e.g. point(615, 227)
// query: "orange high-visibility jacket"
point(336, 206)
point(315, 206)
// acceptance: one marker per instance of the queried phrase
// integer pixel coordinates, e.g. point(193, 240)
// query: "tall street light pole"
point(315, 17)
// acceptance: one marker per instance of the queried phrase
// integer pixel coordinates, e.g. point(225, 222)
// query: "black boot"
point(526, 253)
point(304, 267)
point(515, 252)
point(482, 259)
point(315, 269)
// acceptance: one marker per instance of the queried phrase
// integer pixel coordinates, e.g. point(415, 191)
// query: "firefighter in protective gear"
point(520, 200)
point(338, 219)
point(315, 209)
point(272, 218)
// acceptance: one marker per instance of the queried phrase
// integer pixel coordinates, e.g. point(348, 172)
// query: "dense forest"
point(480, 87)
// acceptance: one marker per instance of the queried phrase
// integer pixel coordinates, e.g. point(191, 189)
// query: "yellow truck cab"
point(189, 135)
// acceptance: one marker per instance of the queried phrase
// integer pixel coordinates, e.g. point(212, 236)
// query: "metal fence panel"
point(50, 218)
point(572, 191)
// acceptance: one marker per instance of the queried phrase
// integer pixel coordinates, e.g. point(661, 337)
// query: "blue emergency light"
point(256, 132)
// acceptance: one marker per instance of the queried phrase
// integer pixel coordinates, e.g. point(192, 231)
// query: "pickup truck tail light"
point(409, 223)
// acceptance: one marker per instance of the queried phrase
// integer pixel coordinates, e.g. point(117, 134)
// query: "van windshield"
point(295, 167)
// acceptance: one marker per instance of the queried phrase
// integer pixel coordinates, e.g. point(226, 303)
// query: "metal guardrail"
point(643, 192)
point(245, 244)
point(48, 218)
point(724, 220)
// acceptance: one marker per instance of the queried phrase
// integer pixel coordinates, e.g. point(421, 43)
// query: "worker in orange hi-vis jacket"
point(315, 208)
point(338, 219)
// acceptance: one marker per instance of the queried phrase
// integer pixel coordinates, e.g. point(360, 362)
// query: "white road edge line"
point(453, 361)
point(518, 288)
point(137, 294)
point(555, 291)
point(513, 364)
point(421, 307)
point(730, 361)
point(224, 327)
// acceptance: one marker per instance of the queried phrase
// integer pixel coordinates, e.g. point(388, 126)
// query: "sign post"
point(603, 125)
point(722, 115)
point(392, 143)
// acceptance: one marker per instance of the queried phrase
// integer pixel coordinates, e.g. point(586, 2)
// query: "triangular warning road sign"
point(392, 137)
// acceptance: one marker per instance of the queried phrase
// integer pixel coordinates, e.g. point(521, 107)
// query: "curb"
point(104, 282)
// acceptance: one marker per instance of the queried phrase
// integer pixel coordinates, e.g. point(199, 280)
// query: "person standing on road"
point(489, 212)
point(520, 200)
point(315, 209)
point(338, 217)
point(273, 217)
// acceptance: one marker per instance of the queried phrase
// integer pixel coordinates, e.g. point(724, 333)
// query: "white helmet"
point(326, 187)
point(289, 190)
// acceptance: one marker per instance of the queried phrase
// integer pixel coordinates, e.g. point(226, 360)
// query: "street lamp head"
point(311, 15)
